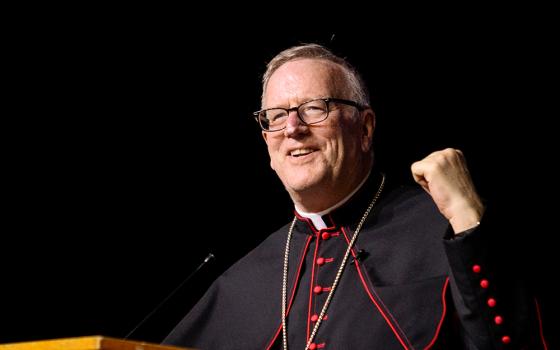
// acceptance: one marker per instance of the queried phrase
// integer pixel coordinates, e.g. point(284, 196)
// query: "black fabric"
point(399, 295)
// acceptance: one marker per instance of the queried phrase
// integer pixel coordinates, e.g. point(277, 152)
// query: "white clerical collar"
point(317, 219)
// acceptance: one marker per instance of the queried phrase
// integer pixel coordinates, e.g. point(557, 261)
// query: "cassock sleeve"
point(494, 306)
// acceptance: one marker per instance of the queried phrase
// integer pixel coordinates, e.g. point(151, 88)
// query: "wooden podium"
point(87, 343)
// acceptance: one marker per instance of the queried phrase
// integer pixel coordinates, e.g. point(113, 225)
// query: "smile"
point(301, 152)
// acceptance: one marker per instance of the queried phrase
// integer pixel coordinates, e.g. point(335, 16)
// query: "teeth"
point(300, 151)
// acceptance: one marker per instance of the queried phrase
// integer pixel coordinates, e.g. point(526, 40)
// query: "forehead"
point(300, 80)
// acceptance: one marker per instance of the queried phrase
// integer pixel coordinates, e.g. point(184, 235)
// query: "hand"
point(445, 176)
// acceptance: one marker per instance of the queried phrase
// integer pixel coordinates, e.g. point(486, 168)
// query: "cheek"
point(273, 153)
point(273, 148)
point(348, 146)
point(338, 145)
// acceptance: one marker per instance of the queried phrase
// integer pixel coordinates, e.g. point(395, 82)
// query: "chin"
point(301, 183)
point(303, 178)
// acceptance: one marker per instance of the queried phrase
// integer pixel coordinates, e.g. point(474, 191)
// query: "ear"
point(368, 127)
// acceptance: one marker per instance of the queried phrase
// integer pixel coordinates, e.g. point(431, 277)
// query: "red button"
point(491, 302)
point(318, 290)
point(320, 261)
point(314, 318)
point(484, 283)
point(312, 346)
point(326, 235)
point(498, 320)
point(506, 339)
point(476, 268)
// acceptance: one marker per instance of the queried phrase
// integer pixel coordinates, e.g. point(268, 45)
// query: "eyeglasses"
point(310, 112)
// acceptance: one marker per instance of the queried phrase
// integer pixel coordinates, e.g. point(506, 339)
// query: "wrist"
point(467, 217)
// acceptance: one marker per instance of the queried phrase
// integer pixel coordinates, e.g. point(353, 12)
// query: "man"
point(360, 266)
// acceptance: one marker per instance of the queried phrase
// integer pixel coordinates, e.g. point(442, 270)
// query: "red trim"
point(444, 312)
point(302, 259)
point(311, 287)
point(373, 299)
point(540, 324)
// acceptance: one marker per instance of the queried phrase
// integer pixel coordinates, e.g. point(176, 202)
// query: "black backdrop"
point(133, 153)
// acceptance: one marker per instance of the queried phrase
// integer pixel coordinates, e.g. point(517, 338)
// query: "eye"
point(313, 108)
point(275, 115)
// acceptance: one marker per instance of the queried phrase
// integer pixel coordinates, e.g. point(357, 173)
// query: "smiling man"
point(363, 265)
point(322, 153)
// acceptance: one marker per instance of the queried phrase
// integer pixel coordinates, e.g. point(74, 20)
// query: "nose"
point(294, 125)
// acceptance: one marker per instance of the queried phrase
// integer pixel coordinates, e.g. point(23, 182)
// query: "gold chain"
point(336, 279)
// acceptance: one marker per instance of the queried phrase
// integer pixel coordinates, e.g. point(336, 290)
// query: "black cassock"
point(414, 286)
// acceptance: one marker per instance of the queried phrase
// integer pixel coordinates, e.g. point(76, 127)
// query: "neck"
point(323, 200)
point(317, 219)
point(340, 203)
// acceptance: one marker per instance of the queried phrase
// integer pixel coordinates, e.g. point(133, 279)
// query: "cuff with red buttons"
point(474, 271)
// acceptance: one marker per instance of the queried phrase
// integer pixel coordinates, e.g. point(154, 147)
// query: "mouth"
point(301, 152)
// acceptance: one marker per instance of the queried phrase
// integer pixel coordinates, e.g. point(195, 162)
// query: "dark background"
point(123, 121)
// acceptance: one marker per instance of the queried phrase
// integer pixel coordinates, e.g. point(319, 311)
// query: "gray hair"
point(316, 51)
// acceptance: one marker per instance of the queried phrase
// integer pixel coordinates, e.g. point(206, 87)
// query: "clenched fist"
point(445, 176)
